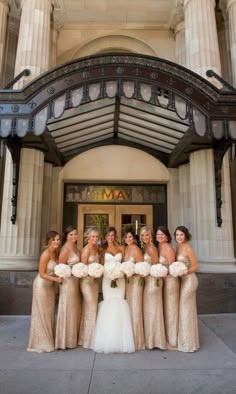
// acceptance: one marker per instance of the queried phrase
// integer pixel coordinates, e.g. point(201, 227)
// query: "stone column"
point(4, 9)
point(46, 201)
point(202, 49)
point(184, 196)
point(180, 49)
point(173, 199)
point(20, 243)
point(214, 245)
point(11, 47)
point(53, 46)
point(34, 39)
point(231, 11)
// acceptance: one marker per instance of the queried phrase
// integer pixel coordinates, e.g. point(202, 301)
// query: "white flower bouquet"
point(62, 270)
point(158, 271)
point(112, 271)
point(80, 270)
point(95, 270)
point(177, 268)
point(128, 268)
point(142, 269)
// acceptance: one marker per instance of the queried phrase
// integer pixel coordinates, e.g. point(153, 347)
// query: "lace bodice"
point(111, 257)
point(107, 291)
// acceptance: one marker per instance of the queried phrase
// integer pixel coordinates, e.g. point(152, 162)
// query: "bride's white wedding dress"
point(113, 330)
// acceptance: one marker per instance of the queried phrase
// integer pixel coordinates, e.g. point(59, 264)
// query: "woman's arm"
point(85, 255)
point(193, 259)
point(43, 262)
point(138, 255)
point(170, 254)
point(153, 253)
point(64, 255)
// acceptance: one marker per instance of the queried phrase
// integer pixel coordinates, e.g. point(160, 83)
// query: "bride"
point(113, 331)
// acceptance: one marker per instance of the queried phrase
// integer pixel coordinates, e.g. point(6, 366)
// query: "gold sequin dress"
point(41, 338)
point(90, 290)
point(171, 307)
point(69, 310)
point(154, 328)
point(134, 296)
point(188, 338)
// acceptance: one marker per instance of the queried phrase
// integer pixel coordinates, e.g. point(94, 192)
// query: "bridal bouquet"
point(62, 270)
point(177, 268)
point(158, 271)
point(128, 268)
point(142, 269)
point(112, 271)
point(80, 270)
point(95, 270)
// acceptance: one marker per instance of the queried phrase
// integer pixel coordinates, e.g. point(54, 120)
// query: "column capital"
point(177, 16)
point(58, 14)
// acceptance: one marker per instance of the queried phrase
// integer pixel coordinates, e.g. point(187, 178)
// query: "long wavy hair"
point(50, 236)
point(66, 232)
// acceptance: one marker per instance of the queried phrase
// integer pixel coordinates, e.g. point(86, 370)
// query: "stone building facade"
point(40, 35)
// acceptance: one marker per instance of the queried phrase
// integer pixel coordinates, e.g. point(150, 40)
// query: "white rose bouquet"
point(95, 270)
point(112, 271)
point(142, 269)
point(158, 271)
point(128, 268)
point(62, 270)
point(80, 270)
point(177, 268)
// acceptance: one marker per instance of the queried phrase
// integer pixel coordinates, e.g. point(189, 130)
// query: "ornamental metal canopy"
point(124, 99)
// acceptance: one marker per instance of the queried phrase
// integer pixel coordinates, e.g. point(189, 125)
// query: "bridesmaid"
point(90, 289)
point(69, 307)
point(171, 288)
point(42, 327)
point(154, 328)
point(134, 291)
point(188, 338)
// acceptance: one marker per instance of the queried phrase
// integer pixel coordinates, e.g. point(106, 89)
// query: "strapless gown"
point(90, 290)
point(69, 311)
point(171, 307)
point(41, 338)
point(154, 328)
point(113, 331)
point(188, 337)
point(134, 295)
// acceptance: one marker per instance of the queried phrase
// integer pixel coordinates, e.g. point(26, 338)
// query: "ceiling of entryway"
point(156, 12)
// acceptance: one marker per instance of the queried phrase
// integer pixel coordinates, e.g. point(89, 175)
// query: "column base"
point(216, 266)
point(24, 263)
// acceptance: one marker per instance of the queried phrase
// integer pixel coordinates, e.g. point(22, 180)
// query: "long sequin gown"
point(188, 337)
point(69, 310)
point(171, 307)
point(41, 338)
point(154, 328)
point(113, 331)
point(90, 290)
point(134, 296)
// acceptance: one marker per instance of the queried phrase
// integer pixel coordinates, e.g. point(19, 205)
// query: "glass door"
point(119, 216)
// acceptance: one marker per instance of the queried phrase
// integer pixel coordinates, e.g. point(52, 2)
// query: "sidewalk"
point(211, 370)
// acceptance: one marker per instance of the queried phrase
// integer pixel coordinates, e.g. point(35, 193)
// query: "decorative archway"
point(123, 99)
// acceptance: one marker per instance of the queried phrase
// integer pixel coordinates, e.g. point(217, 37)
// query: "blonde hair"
point(145, 229)
point(89, 232)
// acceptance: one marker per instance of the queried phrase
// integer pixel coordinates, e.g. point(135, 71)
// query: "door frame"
point(114, 212)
